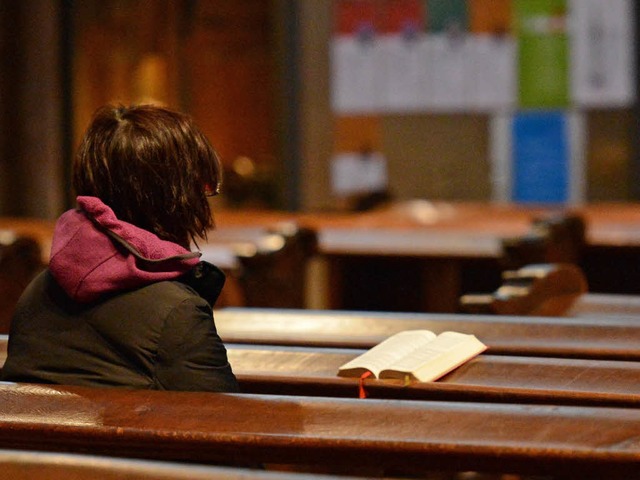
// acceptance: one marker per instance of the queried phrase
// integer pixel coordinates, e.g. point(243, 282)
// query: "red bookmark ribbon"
point(361, 392)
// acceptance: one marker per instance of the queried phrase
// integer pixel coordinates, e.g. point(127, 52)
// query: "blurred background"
point(273, 82)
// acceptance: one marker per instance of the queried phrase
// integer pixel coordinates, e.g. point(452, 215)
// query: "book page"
point(446, 352)
point(387, 352)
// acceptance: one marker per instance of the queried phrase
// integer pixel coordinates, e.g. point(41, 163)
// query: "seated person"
point(124, 302)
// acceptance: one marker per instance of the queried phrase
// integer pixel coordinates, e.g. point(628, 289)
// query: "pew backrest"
point(537, 290)
point(598, 338)
point(606, 304)
point(269, 266)
point(557, 237)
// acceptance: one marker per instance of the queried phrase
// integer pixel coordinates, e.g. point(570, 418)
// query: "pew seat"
point(393, 435)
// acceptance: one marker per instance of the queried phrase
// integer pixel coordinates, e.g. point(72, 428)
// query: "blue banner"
point(540, 157)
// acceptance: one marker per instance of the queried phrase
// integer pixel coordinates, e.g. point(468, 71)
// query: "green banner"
point(447, 16)
point(543, 57)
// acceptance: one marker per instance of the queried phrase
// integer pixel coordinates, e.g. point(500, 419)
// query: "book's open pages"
point(415, 355)
point(386, 353)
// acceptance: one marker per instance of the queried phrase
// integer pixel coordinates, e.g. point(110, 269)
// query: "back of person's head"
point(153, 167)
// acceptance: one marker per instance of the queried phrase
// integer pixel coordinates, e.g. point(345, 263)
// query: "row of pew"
point(568, 372)
point(568, 417)
point(268, 260)
point(552, 396)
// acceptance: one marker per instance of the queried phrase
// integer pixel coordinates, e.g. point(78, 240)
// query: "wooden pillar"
point(31, 157)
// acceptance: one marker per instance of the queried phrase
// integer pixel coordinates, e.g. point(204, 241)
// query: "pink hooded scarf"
point(93, 253)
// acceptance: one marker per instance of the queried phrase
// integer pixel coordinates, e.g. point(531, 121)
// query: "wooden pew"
point(538, 290)
point(39, 229)
point(556, 237)
point(427, 269)
point(448, 234)
point(30, 465)
point(396, 436)
point(456, 242)
point(613, 245)
point(612, 338)
point(550, 290)
point(20, 261)
point(488, 378)
point(265, 265)
point(271, 263)
point(305, 370)
point(606, 304)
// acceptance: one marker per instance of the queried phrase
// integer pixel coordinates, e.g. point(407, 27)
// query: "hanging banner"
point(543, 59)
point(541, 157)
point(354, 57)
point(602, 65)
point(491, 56)
point(408, 56)
point(402, 68)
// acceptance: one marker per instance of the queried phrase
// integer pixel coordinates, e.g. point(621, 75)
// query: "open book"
point(415, 355)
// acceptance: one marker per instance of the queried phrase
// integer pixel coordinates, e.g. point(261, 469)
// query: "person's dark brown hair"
point(153, 167)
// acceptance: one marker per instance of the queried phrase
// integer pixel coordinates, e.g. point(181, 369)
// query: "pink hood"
point(94, 253)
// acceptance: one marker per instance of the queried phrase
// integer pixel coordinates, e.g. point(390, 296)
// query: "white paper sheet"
point(354, 172)
point(602, 61)
point(354, 75)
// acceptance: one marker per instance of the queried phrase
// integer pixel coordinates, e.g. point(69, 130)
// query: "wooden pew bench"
point(30, 465)
point(265, 264)
point(612, 338)
point(486, 378)
point(395, 436)
point(36, 228)
point(606, 304)
point(554, 237)
point(426, 268)
point(268, 264)
point(20, 261)
point(269, 369)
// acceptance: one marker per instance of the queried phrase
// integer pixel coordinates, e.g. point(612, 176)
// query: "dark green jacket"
point(160, 336)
